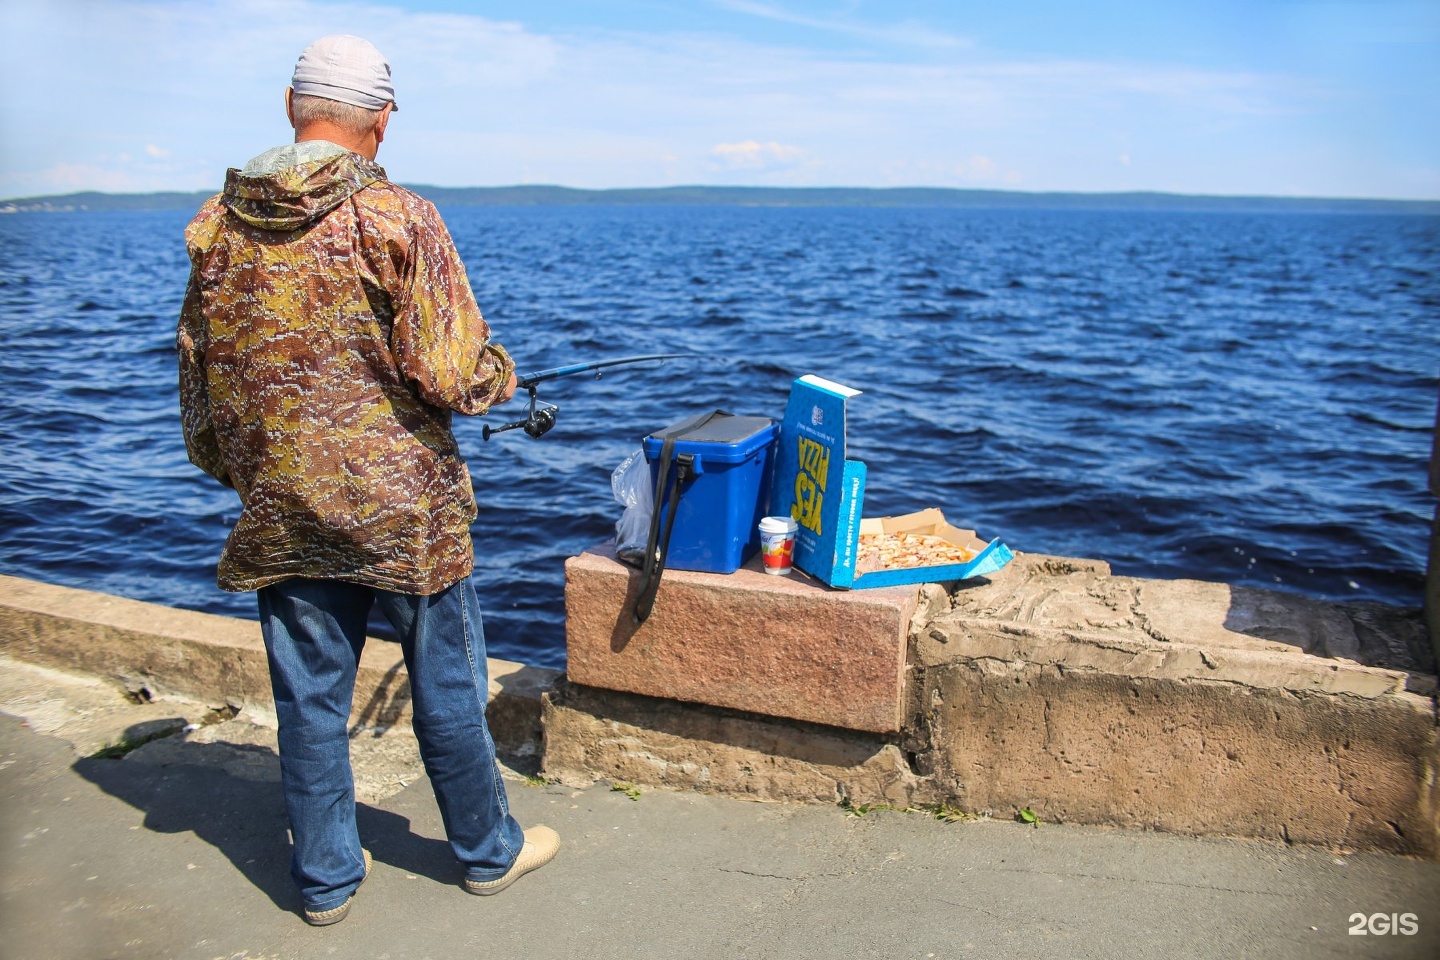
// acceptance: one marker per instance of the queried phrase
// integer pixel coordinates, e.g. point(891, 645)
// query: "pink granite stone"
point(780, 646)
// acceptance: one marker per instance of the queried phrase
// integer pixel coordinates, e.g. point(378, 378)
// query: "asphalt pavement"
point(172, 856)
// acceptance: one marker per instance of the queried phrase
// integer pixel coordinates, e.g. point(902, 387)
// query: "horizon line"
point(734, 186)
point(994, 191)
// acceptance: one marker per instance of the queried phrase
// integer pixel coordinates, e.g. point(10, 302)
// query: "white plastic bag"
point(635, 490)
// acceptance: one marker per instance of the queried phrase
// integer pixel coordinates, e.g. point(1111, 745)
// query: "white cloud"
point(73, 177)
point(158, 153)
point(753, 155)
point(978, 168)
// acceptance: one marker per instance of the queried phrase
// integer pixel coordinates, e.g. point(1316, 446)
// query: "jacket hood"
point(296, 196)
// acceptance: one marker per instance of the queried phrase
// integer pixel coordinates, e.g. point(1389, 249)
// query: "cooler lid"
point(725, 438)
point(727, 429)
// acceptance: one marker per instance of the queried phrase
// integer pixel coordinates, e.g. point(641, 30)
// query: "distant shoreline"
point(888, 197)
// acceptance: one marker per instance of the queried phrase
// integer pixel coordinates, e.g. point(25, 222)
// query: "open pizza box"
point(825, 494)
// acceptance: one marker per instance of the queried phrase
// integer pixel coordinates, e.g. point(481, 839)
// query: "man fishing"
point(328, 331)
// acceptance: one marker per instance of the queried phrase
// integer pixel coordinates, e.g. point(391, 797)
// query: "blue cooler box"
point(717, 520)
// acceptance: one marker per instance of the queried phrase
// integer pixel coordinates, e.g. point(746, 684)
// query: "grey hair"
point(350, 118)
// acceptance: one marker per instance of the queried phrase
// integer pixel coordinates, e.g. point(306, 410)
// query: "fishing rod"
point(541, 418)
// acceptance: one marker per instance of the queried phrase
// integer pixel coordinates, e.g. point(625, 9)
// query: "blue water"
point(1242, 398)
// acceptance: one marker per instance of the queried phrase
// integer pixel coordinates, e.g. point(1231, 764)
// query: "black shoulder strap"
point(656, 546)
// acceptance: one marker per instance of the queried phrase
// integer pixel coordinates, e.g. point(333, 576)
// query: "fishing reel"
point(536, 424)
point(542, 415)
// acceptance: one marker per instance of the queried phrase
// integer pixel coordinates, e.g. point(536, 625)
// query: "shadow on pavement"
point(244, 817)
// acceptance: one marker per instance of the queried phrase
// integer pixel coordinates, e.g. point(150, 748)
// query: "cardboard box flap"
point(930, 520)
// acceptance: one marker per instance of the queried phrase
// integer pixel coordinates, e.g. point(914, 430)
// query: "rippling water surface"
point(1243, 398)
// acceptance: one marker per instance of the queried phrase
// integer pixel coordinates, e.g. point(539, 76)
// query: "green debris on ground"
point(944, 812)
point(117, 750)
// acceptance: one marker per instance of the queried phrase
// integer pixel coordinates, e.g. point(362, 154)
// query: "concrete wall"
point(153, 649)
point(1055, 686)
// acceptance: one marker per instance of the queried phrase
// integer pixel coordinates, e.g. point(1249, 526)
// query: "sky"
point(1221, 97)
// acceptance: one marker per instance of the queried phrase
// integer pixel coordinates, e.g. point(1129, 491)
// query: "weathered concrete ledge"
point(1176, 705)
point(750, 641)
point(154, 650)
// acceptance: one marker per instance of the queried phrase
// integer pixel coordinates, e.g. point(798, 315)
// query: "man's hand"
point(509, 388)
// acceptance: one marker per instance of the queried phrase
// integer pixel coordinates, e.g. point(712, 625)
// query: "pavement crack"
point(763, 876)
point(780, 876)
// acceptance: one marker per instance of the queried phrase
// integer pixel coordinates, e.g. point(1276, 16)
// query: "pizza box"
point(988, 556)
point(825, 493)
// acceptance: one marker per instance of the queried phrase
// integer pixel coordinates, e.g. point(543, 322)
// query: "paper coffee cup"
point(777, 544)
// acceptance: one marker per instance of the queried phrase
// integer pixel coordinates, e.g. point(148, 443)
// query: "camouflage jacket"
point(327, 333)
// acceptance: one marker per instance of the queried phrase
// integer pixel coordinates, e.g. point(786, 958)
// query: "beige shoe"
point(323, 918)
point(541, 845)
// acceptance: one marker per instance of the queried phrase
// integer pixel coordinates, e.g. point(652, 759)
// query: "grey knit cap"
point(347, 69)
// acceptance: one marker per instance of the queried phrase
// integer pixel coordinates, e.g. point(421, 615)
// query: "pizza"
point(898, 551)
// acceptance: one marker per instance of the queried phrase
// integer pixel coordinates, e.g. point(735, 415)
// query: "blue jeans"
point(314, 632)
